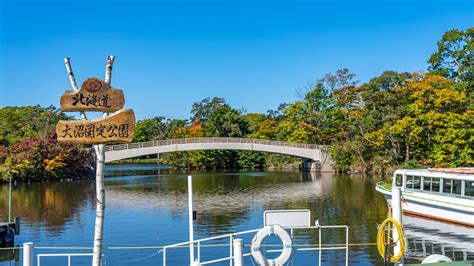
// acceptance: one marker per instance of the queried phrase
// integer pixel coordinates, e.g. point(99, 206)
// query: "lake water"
point(147, 206)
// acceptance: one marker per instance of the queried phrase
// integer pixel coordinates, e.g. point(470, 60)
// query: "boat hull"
point(422, 207)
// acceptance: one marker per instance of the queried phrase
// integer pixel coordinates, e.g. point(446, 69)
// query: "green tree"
point(454, 58)
point(202, 110)
point(150, 129)
point(218, 118)
point(382, 107)
point(18, 122)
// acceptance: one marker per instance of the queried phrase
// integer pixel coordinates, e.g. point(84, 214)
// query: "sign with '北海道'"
point(94, 95)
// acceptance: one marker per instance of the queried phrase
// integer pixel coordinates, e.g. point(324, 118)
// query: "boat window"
point(447, 183)
point(416, 182)
point(398, 180)
point(435, 184)
point(427, 184)
point(469, 189)
point(457, 187)
point(409, 182)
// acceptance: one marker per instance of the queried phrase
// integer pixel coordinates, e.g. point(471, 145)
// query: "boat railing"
point(384, 186)
point(68, 255)
point(198, 244)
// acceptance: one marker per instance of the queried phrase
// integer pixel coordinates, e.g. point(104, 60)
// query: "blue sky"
point(255, 54)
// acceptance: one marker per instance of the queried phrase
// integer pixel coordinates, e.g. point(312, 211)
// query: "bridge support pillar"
point(316, 166)
point(310, 166)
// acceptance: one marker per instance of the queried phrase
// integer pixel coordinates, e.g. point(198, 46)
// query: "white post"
point(158, 163)
point(191, 226)
point(238, 252)
point(67, 61)
point(28, 254)
point(100, 187)
point(397, 215)
point(100, 205)
point(10, 200)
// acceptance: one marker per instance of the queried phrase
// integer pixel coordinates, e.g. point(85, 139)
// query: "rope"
point(134, 259)
point(384, 240)
point(11, 248)
point(202, 245)
point(62, 247)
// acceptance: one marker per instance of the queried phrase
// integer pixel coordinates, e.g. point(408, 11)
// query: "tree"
point(218, 118)
point(150, 129)
point(18, 122)
point(267, 129)
point(454, 58)
point(382, 107)
point(342, 78)
point(203, 109)
point(3, 153)
point(176, 128)
point(432, 125)
point(254, 121)
point(42, 158)
point(277, 114)
point(293, 127)
point(224, 121)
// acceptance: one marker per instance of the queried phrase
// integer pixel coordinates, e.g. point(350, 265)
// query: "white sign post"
point(191, 222)
point(96, 95)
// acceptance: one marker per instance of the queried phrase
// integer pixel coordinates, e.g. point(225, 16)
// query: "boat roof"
point(464, 174)
point(459, 170)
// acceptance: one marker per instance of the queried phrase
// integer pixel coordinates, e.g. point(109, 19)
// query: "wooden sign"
point(117, 128)
point(94, 95)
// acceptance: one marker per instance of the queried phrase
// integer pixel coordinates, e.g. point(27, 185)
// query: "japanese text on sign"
point(90, 100)
point(116, 128)
point(91, 131)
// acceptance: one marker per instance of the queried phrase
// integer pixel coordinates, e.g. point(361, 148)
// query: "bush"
point(43, 158)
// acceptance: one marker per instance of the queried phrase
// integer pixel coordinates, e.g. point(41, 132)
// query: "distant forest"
point(394, 120)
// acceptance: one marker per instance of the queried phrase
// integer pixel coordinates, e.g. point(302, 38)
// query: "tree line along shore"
point(395, 120)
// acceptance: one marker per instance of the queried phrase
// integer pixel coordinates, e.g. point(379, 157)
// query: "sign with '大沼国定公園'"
point(116, 128)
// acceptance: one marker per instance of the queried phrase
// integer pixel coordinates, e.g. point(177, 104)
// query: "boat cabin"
point(436, 182)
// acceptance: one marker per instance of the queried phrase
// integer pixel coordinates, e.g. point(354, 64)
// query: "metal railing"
point(198, 244)
point(68, 255)
point(319, 247)
point(138, 145)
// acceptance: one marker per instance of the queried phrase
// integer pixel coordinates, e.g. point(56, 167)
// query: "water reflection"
point(221, 199)
point(226, 201)
point(147, 208)
point(49, 204)
point(426, 237)
point(9, 257)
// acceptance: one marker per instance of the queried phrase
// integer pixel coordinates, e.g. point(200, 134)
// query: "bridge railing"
point(154, 143)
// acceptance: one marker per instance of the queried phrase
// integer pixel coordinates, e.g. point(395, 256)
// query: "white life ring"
point(268, 231)
point(435, 258)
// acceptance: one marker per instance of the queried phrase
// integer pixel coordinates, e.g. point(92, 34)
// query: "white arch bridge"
point(316, 156)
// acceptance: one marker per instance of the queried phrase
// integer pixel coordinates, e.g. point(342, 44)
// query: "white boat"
point(441, 194)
